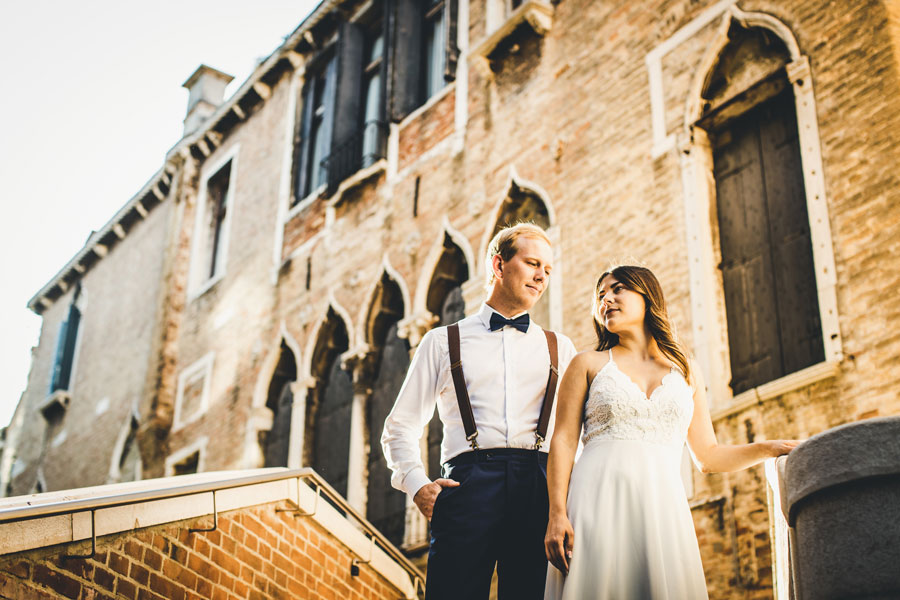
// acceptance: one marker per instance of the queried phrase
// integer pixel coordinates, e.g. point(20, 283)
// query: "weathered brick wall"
point(255, 553)
point(233, 318)
point(571, 113)
point(114, 348)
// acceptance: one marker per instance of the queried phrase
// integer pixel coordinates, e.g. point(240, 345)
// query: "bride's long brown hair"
point(656, 317)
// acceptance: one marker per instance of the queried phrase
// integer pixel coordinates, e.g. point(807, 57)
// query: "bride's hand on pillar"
point(559, 541)
point(776, 448)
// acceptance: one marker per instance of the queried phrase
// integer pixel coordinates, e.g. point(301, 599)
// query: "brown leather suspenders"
point(459, 384)
point(462, 394)
point(544, 421)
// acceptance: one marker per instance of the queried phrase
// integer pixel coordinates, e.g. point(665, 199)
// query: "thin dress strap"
point(610, 357)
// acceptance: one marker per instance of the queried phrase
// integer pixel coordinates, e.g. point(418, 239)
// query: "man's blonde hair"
point(505, 244)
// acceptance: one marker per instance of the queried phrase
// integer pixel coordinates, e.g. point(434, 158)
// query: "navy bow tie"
point(498, 321)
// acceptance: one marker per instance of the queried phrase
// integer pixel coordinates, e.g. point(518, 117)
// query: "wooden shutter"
point(68, 337)
point(347, 103)
point(747, 270)
point(57, 357)
point(451, 49)
point(328, 100)
point(768, 279)
point(332, 428)
point(407, 58)
point(386, 507)
point(387, 55)
point(795, 278)
point(304, 153)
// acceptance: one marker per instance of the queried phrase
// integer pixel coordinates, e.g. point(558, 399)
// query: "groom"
point(491, 376)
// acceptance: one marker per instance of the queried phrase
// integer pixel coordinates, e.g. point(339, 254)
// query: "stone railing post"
point(842, 501)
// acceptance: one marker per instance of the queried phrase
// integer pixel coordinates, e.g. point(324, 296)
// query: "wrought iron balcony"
point(357, 152)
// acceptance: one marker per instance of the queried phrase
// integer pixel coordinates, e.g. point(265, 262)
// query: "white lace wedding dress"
point(634, 536)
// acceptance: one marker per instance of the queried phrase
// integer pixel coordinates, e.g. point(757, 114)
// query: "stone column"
point(300, 391)
point(843, 506)
point(413, 329)
point(360, 363)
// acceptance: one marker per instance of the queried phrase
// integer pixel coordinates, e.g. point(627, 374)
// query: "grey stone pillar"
point(843, 505)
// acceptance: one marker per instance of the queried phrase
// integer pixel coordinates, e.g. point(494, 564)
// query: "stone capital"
point(414, 327)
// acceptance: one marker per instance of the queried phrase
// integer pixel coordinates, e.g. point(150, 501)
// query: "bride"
point(620, 526)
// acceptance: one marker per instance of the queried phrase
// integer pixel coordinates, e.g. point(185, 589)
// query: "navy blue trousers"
point(496, 516)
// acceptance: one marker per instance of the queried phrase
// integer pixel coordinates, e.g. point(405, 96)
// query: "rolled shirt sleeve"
point(405, 425)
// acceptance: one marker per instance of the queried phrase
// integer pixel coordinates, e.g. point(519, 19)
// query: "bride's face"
point(620, 307)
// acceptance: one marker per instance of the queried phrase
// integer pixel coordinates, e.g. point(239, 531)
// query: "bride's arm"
point(709, 455)
point(569, 410)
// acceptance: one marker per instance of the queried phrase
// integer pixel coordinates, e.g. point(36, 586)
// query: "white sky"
point(90, 101)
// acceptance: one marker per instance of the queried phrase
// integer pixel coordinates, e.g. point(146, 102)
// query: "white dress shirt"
point(506, 375)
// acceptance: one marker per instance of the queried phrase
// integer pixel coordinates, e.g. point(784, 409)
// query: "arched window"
point(386, 507)
point(329, 411)
point(524, 206)
point(767, 268)
point(126, 459)
point(280, 399)
point(446, 301)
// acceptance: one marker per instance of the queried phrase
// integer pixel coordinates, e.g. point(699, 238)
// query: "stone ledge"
point(536, 13)
point(779, 387)
point(55, 404)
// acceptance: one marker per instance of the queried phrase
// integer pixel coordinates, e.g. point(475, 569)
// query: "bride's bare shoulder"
point(589, 362)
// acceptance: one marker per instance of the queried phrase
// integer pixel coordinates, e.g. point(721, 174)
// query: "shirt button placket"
point(507, 384)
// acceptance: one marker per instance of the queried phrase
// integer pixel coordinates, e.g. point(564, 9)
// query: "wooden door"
point(767, 269)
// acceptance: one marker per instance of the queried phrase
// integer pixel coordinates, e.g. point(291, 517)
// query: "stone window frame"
point(307, 382)
point(198, 282)
point(261, 417)
point(358, 478)
point(199, 446)
point(129, 427)
point(698, 184)
point(199, 368)
point(555, 288)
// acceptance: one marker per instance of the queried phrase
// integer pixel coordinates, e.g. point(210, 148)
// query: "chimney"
point(206, 90)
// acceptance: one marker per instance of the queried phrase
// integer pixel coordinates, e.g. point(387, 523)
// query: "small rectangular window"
point(192, 393)
point(217, 207)
point(315, 131)
point(373, 126)
point(188, 465)
point(423, 50)
point(433, 76)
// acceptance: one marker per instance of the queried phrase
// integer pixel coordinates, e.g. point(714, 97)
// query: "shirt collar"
point(485, 312)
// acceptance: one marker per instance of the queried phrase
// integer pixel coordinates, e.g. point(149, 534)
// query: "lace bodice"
point(617, 409)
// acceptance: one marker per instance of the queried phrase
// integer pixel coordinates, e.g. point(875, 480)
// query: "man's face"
point(525, 276)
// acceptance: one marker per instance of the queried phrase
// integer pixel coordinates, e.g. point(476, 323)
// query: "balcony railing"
point(357, 152)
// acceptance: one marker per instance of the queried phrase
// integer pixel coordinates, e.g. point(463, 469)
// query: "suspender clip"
point(472, 441)
point(538, 440)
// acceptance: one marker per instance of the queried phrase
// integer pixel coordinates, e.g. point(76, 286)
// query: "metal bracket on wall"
point(215, 519)
point(354, 565)
point(298, 512)
point(93, 542)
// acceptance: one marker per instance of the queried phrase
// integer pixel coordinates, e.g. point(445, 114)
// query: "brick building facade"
point(305, 233)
